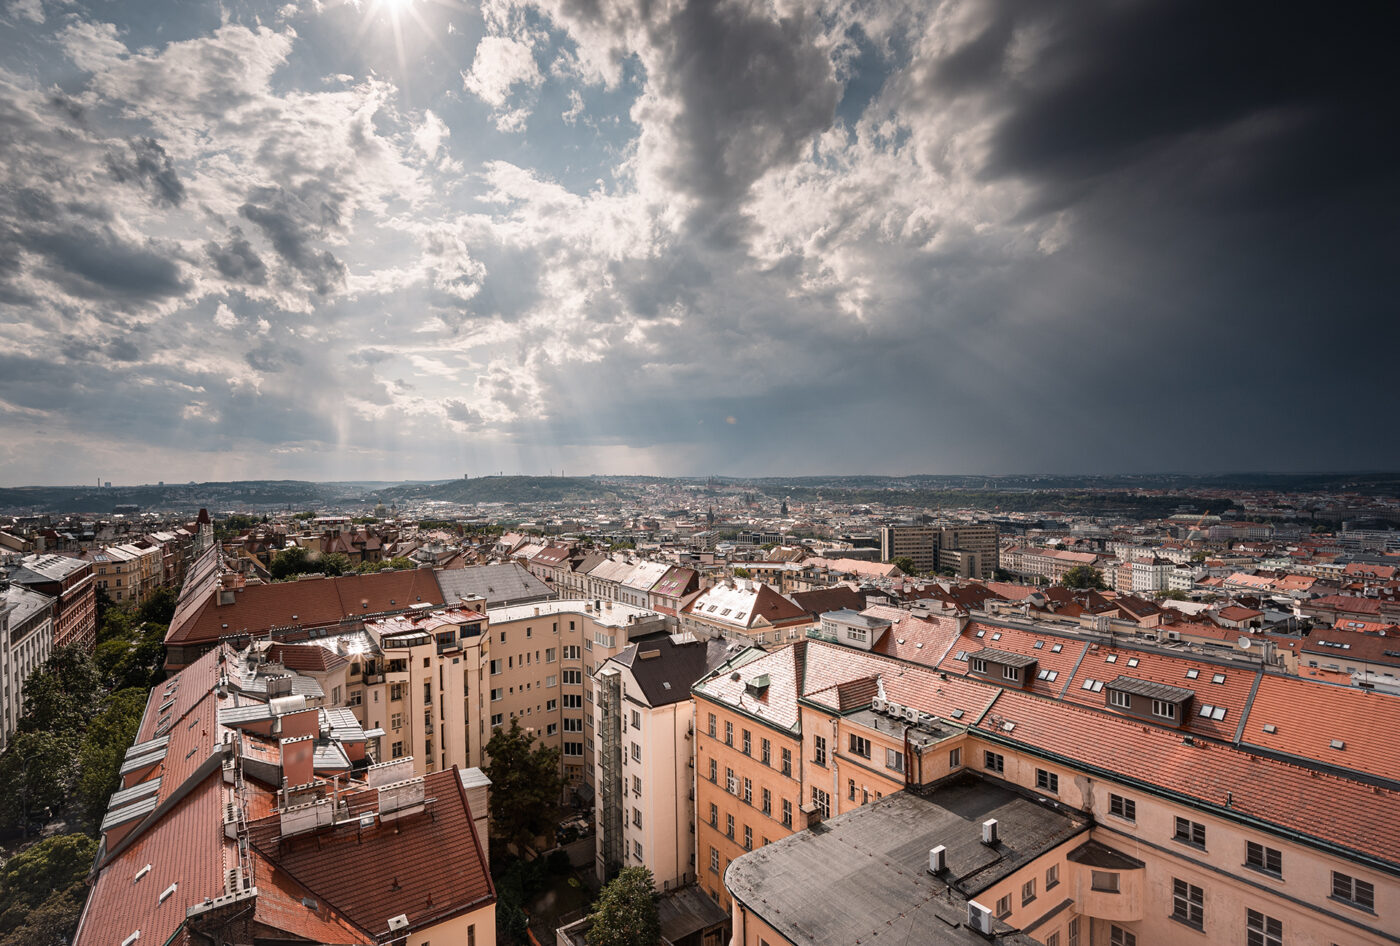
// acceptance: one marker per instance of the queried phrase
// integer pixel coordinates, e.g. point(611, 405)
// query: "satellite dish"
point(1244, 643)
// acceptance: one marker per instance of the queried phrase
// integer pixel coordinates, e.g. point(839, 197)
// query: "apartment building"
point(1049, 564)
point(746, 611)
point(541, 660)
point(245, 817)
point(26, 640)
point(69, 582)
point(644, 765)
point(1278, 836)
point(970, 549)
point(918, 543)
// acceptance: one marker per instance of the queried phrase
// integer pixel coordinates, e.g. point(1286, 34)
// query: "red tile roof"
point(315, 602)
point(1017, 641)
point(1307, 716)
point(370, 874)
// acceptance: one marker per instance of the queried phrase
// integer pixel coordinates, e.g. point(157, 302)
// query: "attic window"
point(996, 636)
point(1133, 662)
point(167, 892)
point(132, 938)
point(1270, 728)
point(666, 684)
point(1094, 686)
point(1338, 744)
point(1039, 644)
point(1048, 675)
point(141, 873)
point(1008, 726)
point(1056, 648)
point(1192, 674)
point(962, 655)
point(1111, 659)
point(981, 633)
point(1212, 712)
point(1218, 678)
point(957, 714)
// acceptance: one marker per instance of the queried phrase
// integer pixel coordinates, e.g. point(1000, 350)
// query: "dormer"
point(1002, 667)
point(1157, 702)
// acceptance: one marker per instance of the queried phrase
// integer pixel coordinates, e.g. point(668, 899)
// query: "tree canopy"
point(104, 748)
point(905, 564)
point(625, 913)
point(42, 889)
point(1084, 576)
point(525, 785)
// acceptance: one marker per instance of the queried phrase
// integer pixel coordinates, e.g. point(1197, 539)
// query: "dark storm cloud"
point(96, 263)
point(237, 259)
point(291, 223)
point(459, 411)
point(149, 165)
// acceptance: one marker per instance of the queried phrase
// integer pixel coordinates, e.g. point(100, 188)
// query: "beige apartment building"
point(1144, 835)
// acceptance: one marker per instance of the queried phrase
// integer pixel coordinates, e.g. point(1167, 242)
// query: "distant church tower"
point(783, 512)
point(710, 517)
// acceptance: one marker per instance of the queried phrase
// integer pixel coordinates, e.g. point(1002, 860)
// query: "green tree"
point(741, 572)
point(525, 785)
point(159, 608)
point(1084, 576)
point(104, 748)
point(293, 560)
point(61, 696)
point(336, 563)
point(1173, 595)
point(625, 913)
point(905, 564)
point(49, 869)
point(36, 777)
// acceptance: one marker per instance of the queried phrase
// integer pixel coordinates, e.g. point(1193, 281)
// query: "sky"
point(407, 239)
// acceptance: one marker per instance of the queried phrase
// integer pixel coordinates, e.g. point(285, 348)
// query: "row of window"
point(732, 785)
point(766, 747)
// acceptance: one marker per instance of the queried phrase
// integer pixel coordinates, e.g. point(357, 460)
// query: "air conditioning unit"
point(894, 709)
point(878, 704)
point(911, 715)
point(979, 918)
point(989, 831)
point(937, 859)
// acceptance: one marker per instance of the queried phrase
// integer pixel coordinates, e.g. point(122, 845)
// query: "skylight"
point(1218, 678)
point(1056, 648)
point(1192, 674)
point(1038, 645)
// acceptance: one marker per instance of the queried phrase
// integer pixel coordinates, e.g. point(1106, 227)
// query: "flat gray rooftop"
point(862, 877)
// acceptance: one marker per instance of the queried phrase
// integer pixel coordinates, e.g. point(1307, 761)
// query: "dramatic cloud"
point(663, 236)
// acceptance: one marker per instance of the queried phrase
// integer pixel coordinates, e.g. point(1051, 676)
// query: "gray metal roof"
point(862, 877)
point(500, 585)
point(1004, 657)
point(1156, 691)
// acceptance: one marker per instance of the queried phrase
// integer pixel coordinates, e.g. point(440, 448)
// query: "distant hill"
point(510, 489)
point(176, 497)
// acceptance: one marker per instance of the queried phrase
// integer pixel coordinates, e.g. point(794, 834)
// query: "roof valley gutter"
point(1248, 705)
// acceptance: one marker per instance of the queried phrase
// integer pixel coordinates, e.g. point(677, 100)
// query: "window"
point(1028, 892)
point(573, 701)
point(1261, 930)
point(497, 719)
point(637, 850)
point(894, 759)
point(396, 720)
point(728, 733)
point(575, 725)
point(1004, 907)
point(714, 860)
point(1011, 673)
point(497, 694)
point(748, 838)
point(1052, 876)
point(1103, 881)
point(993, 762)
point(748, 791)
point(851, 789)
point(1121, 807)
point(1047, 781)
point(549, 655)
point(729, 827)
point(860, 746)
point(1188, 903)
point(637, 817)
point(1263, 858)
point(1164, 709)
point(552, 680)
point(572, 652)
point(821, 801)
point(1190, 832)
point(731, 784)
point(714, 815)
point(636, 786)
point(551, 729)
point(573, 748)
point(1353, 891)
point(636, 720)
point(495, 667)
point(954, 758)
point(766, 748)
point(979, 665)
point(819, 750)
point(787, 813)
point(787, 762)
point(573, 677)
point(1072, 932)
point(1120, 699)
point(1052, 940)
point(712, 724)
point(748, 743)
point(396, 691)
point(1117, 936)
point(396, 751)
point(714, 771)
point(767, 802)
